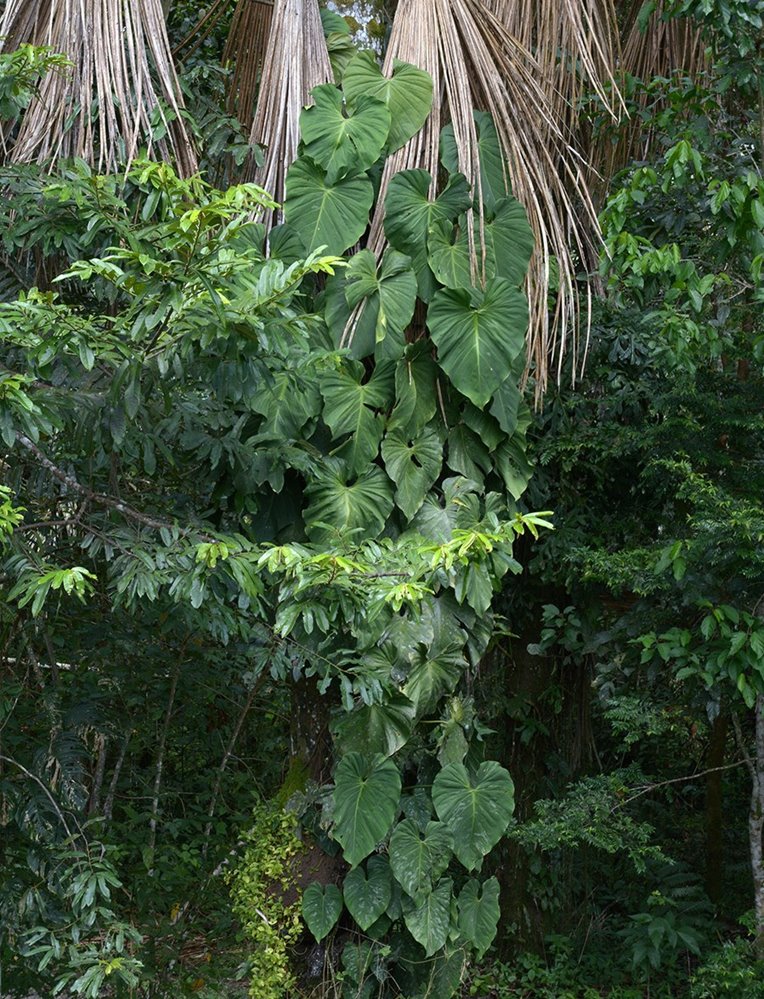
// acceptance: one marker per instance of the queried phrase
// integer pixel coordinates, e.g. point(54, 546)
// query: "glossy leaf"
point(360, 504)
point(476, 808)
point(493, 177)
point(352, 406)
point(324, 214)
point(435, 672)
point(407, 94)
point(368, 892)
point(417, 858)
point(415, 392)
point(478, 335)
point(377, 728)
point(321, 908)
point(344, 144)
point(429, 921)
point(479, 913)
point(366, 793)
point(413, 465)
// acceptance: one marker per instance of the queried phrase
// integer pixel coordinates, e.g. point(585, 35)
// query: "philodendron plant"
point(424, 465)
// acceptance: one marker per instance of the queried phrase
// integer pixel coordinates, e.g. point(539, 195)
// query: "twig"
point(676, 780)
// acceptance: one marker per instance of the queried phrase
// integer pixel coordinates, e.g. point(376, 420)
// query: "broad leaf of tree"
point(511, 239)
point(324, 214)
point(435, 672)
point(344, 145)
point(287, 404)
point(505, 404)
point(407, 94)
point(467, 454)
point(368, 892)
point(510, 457)
point(478, 335)
point(351, 407)
point(450, 259)
point(474, 586)
point(476, 808)
point(321, 908)
point(494, 181)
point(387, 296)
point(484, 425)
point(377, 728)
point(417, 858)
point(366, 793)
point(415, 392)
point(479, 913)
point(362, 504)
point(429, 921)
point(413, 465)
point(410, 214)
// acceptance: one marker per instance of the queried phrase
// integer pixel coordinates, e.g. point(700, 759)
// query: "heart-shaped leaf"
point(416, 396)
point(478, 335)
point(368, 892)
point(366, 793)
point(413, 465)
point(407, 94)
point(324, 214)
point(343, 503)
point(377, 728)
point(321, 908)
point(418, 859)
point(386, 298)
point(511, 239)
point(493, 176)
point(479, 913)
point(476, 809)
point(410, 214)
point(351, 407)
point(429, 921)
point(435, 672)
point(343, 144)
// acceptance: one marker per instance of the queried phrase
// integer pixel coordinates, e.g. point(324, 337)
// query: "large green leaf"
point(351, 407)
point(436, 671)
point(511, 240)
point(324, 214)
point(344, 145)
point(467, 454)
point(321, 908)
point(510, 457)
point(476, 808)
point(478, 335)
point(418, 859)
point(450, 259)
point(407, 94)
point(366, 794)
point(287, 403)
point(479, 913)
point(362, 504)
point(415, 392)
point(429, 921)
point(413, 465)
point(386, 296)
point(410, 214)
point(493, 176)
point(368, 892)
point(377, 728)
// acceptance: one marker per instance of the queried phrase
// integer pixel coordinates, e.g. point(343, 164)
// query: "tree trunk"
point(756, 825)
point(714, 848)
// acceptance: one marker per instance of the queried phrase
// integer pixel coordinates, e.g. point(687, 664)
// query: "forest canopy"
point(381, 604)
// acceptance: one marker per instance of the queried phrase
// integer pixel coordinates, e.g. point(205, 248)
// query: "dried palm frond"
point(107, 105)
point(296, 60)
point(655, 48)
point(476, 63)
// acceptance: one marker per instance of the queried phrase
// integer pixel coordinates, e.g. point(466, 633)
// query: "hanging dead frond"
point(109, 104)
point(476, 63)
point(659, 47)
point(296, 60)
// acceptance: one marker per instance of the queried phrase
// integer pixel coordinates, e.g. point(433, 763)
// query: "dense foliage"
point(299, 696)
